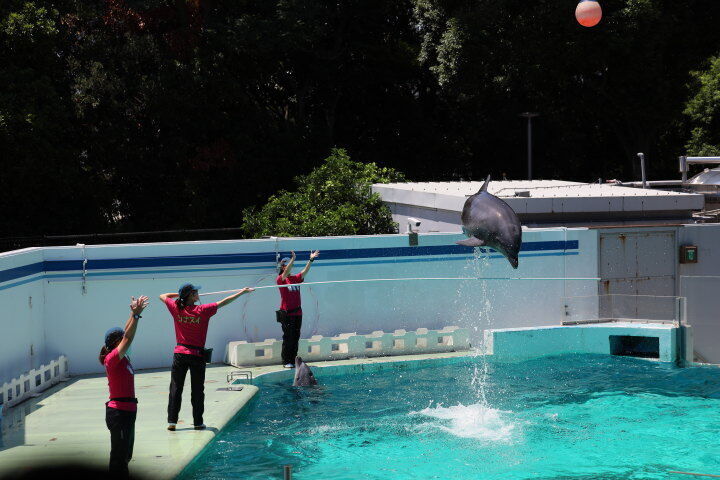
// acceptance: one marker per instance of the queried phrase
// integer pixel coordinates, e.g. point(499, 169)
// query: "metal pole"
point(642, 169)
point(287, 472)
point(529, 148)
point(529, 116)
point(683, 168)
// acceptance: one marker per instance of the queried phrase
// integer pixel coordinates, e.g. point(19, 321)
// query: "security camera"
point(413, 222)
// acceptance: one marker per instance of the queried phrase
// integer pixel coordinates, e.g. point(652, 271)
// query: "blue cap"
point(188, 288)
point(283, 261)
point(112, 335)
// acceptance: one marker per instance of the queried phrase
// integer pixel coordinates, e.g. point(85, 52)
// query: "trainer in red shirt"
point(121, 410)
point(290, 306)
point(191, 325)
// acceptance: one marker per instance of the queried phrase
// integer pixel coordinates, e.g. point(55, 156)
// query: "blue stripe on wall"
point(433, 250)
point(19, 272)
point(266, 257)
point(112, 263)
point(77, 275)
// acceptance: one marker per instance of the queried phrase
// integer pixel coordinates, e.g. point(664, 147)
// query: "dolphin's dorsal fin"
point(485, 185)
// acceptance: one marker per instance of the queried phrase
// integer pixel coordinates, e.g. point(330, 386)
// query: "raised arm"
point(137, 305)
point(289, 266)
point(163, 296)
point(313, 256)
point(231, 298)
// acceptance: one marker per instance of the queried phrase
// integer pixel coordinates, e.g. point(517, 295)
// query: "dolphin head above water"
point(490, 222)
point(303, 375)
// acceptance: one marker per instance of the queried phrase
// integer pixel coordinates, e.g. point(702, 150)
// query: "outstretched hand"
point(247, 290)
point(137, 305)
point(314, 255)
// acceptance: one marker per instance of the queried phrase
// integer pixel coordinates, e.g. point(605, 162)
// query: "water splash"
point(472, 299)
point(475, 306)
point(476, 421)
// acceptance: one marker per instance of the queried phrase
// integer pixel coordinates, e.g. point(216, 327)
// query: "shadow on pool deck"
point(66, 423)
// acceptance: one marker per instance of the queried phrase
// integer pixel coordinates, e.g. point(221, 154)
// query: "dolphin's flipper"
point(471, 242)
point(485, 185)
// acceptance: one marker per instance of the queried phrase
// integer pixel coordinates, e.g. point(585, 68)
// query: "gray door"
point(640, 263)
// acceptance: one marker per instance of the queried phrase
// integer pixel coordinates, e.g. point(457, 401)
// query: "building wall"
point(700, 284)
point(74, 319)
point(433, 220)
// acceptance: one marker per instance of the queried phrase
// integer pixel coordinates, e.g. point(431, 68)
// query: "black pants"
point(291, 335)
point(181, 363)
point(121, 424)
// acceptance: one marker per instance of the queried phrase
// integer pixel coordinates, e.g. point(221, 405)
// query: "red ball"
point(588, 13)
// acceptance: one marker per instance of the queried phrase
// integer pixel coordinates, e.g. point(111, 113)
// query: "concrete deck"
point(67, 422)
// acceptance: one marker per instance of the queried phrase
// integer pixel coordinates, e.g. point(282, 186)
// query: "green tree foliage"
point(604, 93)
point(704, 112)
point(44, 184)
point(334, 199)
point(121, 115)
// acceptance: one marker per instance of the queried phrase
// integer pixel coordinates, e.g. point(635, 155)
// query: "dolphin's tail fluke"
point(485, 185)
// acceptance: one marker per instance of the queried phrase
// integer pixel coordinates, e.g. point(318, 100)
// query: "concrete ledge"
point(356, 365)
point(517, 344)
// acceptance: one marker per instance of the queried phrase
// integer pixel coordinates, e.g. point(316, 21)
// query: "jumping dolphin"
point(303, 375)
point(490, 222)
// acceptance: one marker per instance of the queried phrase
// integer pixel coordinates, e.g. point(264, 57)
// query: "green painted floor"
point(67, 422)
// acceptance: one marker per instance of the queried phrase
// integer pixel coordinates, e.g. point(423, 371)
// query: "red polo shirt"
point(121, 380)
point(290, 296)
point(191, 325)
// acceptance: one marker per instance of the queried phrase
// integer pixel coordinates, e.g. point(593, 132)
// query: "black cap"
point(187, 289)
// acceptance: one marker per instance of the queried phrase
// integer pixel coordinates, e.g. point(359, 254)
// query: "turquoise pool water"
point(569, 417)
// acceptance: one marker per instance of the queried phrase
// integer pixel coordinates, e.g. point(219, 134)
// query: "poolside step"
point(660, 341)
point(348, 345)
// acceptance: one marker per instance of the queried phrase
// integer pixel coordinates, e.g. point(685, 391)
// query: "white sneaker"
point(288, 365)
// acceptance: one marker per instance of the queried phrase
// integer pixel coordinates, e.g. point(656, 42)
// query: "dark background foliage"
point(130, 115)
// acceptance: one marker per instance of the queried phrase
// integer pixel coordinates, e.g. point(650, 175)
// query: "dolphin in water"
point(303, 375)
point(490, 222)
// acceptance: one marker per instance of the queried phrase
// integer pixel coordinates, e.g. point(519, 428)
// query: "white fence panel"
point(30, 384)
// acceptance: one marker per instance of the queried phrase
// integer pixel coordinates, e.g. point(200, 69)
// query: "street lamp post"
point(529, 116)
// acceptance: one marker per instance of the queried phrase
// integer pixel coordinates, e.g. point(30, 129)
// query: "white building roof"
point(538, 197)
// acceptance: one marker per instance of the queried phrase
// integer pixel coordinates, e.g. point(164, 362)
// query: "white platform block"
point(352, 345)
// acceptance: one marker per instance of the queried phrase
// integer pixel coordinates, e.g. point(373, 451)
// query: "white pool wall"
point(65, 320)
point(22, 319)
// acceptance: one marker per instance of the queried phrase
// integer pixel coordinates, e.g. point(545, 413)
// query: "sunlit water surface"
point(568, 417)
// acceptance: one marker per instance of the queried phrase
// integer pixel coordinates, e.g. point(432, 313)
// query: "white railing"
point(33, 382)
point(350, 345)
point(623, 308)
